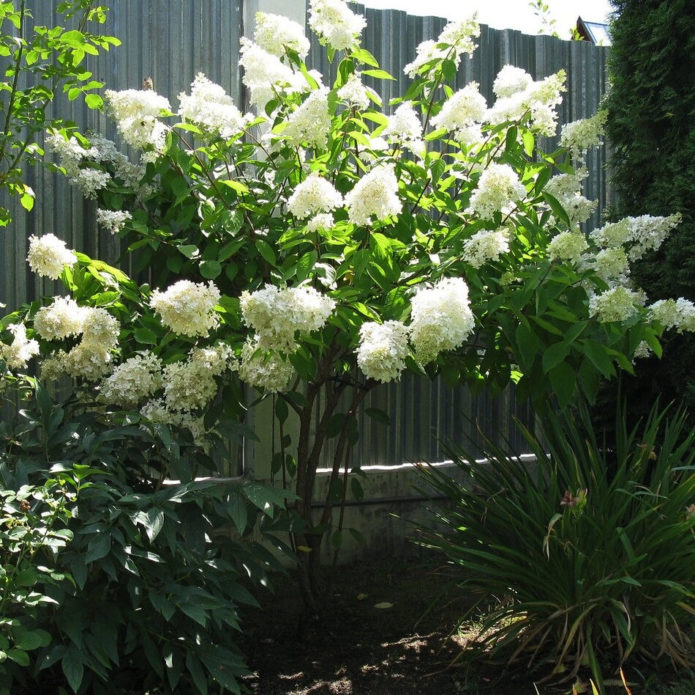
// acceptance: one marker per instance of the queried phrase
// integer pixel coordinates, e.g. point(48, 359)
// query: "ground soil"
point(389, 628)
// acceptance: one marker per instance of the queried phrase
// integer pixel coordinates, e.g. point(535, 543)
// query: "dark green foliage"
point(651, 127)
point(138, 581)
point(587, 555)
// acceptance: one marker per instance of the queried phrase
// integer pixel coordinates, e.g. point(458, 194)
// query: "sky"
point(505, 14)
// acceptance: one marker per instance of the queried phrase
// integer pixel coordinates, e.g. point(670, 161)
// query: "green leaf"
point(237, 186)
point(30, 639)
point(197, 674)
point(153, 523)
point(378, 74)
point(94, 101)
point(379, 415)
point(145, 336)
point(364, 56)
point(554, 355)
point(73, 667)
point(19, 656)
point(98, 548)
point(529, 143)
point(266, 250)
point(188, 250)
point(563, 382)
point(596, 353)
point(237, 510)
point(210, 269)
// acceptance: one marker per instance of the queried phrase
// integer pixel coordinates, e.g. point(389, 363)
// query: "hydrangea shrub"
point(327, 242)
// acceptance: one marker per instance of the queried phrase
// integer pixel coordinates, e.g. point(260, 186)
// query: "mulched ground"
point(389, 629)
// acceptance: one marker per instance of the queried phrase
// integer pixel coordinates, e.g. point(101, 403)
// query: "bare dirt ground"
point(389, 628)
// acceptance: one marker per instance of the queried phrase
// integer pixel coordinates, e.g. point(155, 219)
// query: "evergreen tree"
point(651, 127)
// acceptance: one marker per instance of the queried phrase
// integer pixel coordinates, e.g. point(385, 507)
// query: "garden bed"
point(358, 648)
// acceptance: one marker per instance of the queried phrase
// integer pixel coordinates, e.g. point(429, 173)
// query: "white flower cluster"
point(322, 221)
point(133, 381)
point(274, 33)
point(498, 189)
point(48, 256)
point(404, 127)
point(355, 93)
point(458, 38)
point(265, 74)
point(567, 189)
point(376, 193)
point(579, 136)
point(188, 386)
point(136, 112)
point(71, 155)
point(211, 108)
point(277, 315)
point(616, 304)
point(187, 308)
point(519, 97)
point(567, 246)
point(90, 359)
point(674, 313)
point(485, 245)
point(113, 220)
point(441, 318)
point(265, 369)
point(77, 162)
point(18, 353)
point(61, 319)
point(131, 174)
point(313, 195)
point(611, 265)
point(382, 350)
point(310, 123)
point(100, 328)
point(511, 80)
point(639, 234)
point(462, 113)
point(335, 24)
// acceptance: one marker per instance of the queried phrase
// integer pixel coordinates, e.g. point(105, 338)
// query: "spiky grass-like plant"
point(589, 552)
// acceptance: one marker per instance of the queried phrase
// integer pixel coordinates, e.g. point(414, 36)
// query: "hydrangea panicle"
point(275, 33)
point(457, 38)
point(187, 308)
point(375, 194)
point(498, 189)
point(310, 124)
point(48, 256)
point(133, 381)
point(18, 353)
point(266, 370)
point(441, 318)
point(485, 245)
point(382, 350)
point(616, 304)
point(209, 107)
point(62, 318)
point(335, 24)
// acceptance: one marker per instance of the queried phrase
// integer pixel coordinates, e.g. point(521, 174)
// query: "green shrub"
point(145, 594)
point(589, 554)
point(650, 128)
point(33, 526)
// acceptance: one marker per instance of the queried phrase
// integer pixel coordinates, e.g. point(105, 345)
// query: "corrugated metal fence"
point(172, 40)
point(169, 40)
